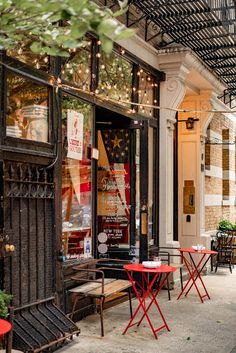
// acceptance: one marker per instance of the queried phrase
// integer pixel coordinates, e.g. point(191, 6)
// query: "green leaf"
point(123, 4)
point(107, 26)
point(79, 29)
point(125, 34)
point(107, 45)
point(36, 47)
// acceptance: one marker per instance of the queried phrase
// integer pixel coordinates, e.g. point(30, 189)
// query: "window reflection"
point(25, 55)
point(27, 109)
point(76, 179)
point(77, 69)
point(146, 91)
point(115, 77)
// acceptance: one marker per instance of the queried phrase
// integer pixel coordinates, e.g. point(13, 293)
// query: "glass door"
point(116, 185)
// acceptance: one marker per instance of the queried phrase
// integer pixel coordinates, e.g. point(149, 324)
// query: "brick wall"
point(220, 164)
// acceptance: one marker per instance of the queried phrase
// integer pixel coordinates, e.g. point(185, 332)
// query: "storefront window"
point(76, 179)
point(115, 77)
point(27, 109)
point(77, 69)
point(25, 55)
point(147, 85)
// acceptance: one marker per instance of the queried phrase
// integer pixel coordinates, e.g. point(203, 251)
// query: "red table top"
point(5, 326)
point(141, 268)
point(191, 250)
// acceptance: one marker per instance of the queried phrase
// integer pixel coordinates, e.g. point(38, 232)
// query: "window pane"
point(147, 86)
point(77, 69)
point(27, 109)
point(76, 179)
point(25, 55)
point(115, 77)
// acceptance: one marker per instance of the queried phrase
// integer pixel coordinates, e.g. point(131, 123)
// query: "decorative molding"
point(170, 124)
point(191, 61)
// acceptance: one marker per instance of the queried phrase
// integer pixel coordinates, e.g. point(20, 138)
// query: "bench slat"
point(111, 288)
point(88, 287)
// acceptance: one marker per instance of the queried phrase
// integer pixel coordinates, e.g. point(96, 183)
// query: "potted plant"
point(5, 299)
point(226, 225)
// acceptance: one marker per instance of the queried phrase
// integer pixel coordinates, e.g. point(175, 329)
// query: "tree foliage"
point(54, 27)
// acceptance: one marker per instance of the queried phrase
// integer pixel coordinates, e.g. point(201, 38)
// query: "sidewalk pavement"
point(195, 327)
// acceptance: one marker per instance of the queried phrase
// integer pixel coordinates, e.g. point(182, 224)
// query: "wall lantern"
point(189, 122)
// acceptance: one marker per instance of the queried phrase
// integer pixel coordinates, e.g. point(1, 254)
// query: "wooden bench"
point(101, 289)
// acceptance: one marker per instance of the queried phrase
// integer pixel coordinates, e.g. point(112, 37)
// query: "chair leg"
point(216, 268)
point(101, 304)
point(168, 287)
point(75, 301)
point(130, 303)
point(181, 278)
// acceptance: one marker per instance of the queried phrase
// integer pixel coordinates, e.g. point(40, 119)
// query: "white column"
point(171, 95)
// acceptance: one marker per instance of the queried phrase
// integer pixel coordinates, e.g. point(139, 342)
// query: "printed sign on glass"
point(75, 122)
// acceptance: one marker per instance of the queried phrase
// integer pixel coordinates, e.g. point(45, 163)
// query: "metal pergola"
point(208, 27)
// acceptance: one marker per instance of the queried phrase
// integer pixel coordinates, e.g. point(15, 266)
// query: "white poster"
point(75, 123)
point(87, 247)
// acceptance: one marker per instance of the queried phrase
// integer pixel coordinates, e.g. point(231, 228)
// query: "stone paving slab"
point(195, 327)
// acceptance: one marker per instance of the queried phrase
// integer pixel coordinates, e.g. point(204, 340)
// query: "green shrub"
point(224, 224)
point(5, 299)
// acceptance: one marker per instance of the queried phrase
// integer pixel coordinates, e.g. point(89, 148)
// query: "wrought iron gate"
point(28, 221)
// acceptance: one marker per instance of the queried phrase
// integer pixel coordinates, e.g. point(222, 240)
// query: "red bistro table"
point(195, 270)
point(146, 287)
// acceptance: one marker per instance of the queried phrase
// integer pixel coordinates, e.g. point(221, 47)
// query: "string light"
point(103, 66)
point(122, 51)
point(37, 65)
point(99, 42)
point(98, 55)
point(19, 51)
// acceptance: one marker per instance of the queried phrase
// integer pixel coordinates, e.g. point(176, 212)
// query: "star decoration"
point(116, 142)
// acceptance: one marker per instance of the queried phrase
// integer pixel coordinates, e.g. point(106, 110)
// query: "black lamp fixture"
point(189, 122)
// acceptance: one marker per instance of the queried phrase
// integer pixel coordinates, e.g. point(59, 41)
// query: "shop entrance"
point(124, 217)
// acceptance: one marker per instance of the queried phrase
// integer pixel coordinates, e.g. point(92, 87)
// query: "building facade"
point(97, 160)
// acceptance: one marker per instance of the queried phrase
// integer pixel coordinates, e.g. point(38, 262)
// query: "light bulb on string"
point(19, 51)
point(37, 65)
point(98, 55)
point(45, 59)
